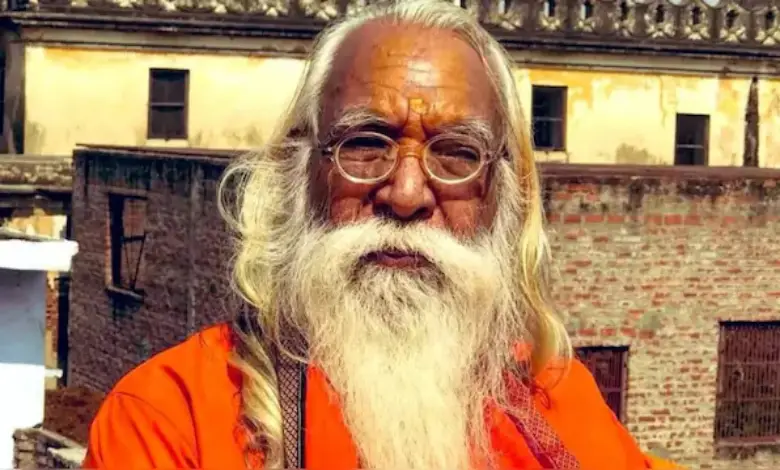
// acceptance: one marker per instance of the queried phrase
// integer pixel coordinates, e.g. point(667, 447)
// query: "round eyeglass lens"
point(366, 156)
point(453, 159)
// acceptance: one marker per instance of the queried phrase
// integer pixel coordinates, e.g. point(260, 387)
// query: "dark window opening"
point(747, 406)
point(691, 139)
point(696, 16)
point(168, 97)
point(660, 14)
point(731, 18)
point(609, 367)
point(549, 117)
point(549, 8)
point(587, 10)
point(769, 19)
point(127, 236)
point(623, 11)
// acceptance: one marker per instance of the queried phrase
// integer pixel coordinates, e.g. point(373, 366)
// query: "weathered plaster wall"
point(629, 117)
point(101, 96)
point(769, 132)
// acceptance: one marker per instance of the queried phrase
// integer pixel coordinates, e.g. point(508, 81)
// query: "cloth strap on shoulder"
point(291, 376)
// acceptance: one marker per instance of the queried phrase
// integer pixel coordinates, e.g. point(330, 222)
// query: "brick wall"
point(649, 258)
point(184, 269)
point(653, 259)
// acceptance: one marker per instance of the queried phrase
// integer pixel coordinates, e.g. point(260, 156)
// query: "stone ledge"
point(40, 448)
point(21, 170)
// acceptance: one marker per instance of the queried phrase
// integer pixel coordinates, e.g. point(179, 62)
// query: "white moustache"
point(347, 245)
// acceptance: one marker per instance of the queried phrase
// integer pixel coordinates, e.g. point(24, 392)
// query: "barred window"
point(127, 236)
point(548, 107)
point(168, 104)
point(609, 366)
point(691, 139)
point(748, 397)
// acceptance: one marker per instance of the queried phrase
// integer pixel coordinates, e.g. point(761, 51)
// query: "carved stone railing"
point(747, 26)
point(755, 23)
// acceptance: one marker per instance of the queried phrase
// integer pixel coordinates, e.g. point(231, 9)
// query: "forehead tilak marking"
point(418, 105)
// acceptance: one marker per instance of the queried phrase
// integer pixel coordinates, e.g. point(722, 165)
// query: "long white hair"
point(266, 199)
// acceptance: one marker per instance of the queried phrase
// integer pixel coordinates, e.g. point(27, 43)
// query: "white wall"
point(22, 327)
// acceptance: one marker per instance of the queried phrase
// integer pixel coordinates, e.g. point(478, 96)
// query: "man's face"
point(422, 82)
point(373, 324)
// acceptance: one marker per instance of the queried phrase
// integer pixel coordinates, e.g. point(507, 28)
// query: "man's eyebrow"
point(477, 128)
point(361, 117)
point(356, 118)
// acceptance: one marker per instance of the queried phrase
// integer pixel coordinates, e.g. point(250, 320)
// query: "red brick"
point(673, 219)
point(633, 265)
point(692, 220)
point(668, 305)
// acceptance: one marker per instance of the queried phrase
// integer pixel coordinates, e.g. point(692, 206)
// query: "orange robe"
point(180, 410)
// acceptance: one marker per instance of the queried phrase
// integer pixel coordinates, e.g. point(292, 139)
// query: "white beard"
point(412, 355)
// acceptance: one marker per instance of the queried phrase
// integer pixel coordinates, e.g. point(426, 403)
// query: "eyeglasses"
point(369, 158)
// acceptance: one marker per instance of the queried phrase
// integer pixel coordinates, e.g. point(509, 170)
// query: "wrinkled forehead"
point(407, 71)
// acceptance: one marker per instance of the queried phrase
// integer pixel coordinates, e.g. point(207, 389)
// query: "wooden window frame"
point(588, 355)
point(748, 353)
point(703, 146)
point(562, 93)
point(118, 240)
point(151, 132)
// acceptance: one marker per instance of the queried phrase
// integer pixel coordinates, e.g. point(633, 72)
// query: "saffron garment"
point(180, 410)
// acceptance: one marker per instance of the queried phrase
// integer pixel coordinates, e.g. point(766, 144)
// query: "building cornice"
point(745, 30)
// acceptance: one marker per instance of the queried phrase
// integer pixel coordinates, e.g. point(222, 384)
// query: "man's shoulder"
point(201, 359)
point(168, 404)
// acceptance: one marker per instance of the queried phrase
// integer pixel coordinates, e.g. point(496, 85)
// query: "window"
point(747, 405)
point(609, 367)
point(168, 91)
point(127, 232)
point(549, 117)
point(691, 139)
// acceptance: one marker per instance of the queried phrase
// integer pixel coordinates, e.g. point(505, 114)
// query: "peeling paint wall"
point(37, 221)
point(769, 127)
point(626, 117)
point(629, 118)
point(100, 97)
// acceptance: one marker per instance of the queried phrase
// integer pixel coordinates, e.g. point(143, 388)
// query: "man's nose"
point(407, 194)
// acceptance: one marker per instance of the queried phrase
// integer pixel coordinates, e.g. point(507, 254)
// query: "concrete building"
point(35, 200)
point(668, 275)
point(627, 82)
point(25, 262)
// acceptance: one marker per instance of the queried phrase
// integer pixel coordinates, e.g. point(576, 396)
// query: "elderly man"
point(392, 249)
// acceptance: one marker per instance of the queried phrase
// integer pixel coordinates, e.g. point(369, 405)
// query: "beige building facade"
point(136, 86)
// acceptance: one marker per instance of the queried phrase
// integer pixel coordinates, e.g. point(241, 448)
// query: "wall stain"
point(34, 137)
point(629, 155)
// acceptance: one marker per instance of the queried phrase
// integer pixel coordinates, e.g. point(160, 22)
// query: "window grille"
point(748, 394)
point(609, 366)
